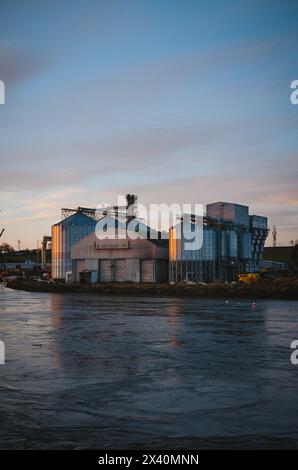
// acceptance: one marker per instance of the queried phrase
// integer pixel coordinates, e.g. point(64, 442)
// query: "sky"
point(177, 101)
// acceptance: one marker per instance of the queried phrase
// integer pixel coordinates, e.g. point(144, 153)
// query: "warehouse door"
point(80, 266)
point(132, 270)
point(146, 270)
point(119, 270)
point(105, 270)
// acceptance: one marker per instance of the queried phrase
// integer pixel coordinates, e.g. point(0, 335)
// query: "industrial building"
point(233, 242)
point(120, 260)
point(79, 256)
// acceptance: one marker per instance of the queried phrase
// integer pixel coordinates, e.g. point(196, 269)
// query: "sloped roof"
point(142, 229)
point(77, 219)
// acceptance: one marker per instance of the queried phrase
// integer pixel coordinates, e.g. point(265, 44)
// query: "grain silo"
point(65, 234)
point(233, 242)
point(192, 265)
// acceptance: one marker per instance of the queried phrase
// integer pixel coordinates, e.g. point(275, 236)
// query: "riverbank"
point(284, 289)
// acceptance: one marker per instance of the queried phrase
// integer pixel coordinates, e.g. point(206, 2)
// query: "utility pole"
point(1, 233)
point(274, 235)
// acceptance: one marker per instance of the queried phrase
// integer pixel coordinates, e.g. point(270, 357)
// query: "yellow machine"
point(249, 277)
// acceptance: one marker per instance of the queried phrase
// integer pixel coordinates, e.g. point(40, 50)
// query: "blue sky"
point(177, 101)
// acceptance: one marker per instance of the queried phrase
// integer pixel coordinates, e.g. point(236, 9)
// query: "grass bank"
point(283, 289)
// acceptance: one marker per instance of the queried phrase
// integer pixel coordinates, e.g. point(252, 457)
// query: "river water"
point(124, 372)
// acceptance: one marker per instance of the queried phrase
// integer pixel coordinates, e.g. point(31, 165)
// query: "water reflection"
point(172, 311)
point(124, 372)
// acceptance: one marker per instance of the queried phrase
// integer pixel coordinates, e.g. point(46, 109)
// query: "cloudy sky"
point(177, 101)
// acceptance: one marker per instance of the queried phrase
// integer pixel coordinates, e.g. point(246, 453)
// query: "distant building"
point(275, 265)
point(26, 265)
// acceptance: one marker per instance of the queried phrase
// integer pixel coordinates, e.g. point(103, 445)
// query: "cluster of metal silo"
point(245, 245)
point(192, 265)
point(232, 241)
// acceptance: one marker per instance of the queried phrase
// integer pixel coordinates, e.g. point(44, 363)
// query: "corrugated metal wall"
point(119, 270)
point(79, 266)
point(105, 270)
point(208, 252)
point(122, 259)
point(132, 270)
point(147, 270)
point(64, 235)
point(228, 211)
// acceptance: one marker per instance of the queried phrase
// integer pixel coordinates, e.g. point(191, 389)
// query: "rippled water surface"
point(121, 372)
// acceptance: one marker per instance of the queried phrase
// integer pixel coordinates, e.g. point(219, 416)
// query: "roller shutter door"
point(80, 266)
point(146, 270)
point(119, 270)
point(105, 270)
point(92, 264)
point(132, 270)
